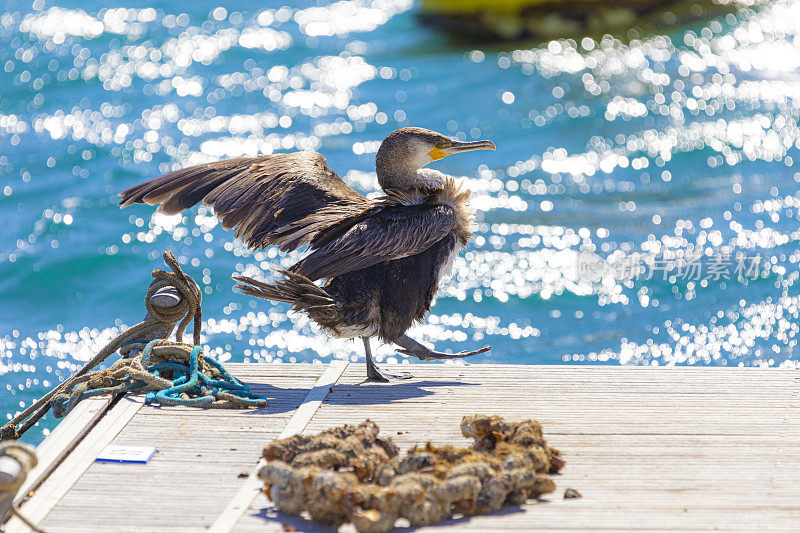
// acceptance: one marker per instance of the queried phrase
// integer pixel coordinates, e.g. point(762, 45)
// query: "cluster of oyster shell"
point(350, 474)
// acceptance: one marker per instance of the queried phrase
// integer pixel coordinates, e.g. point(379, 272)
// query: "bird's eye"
point(439, 144)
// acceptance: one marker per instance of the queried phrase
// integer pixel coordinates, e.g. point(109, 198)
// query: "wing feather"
point(283, 199)
point(391, 232)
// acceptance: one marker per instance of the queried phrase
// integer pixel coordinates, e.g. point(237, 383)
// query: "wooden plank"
point(649, 448)
point(202, 453)
point(63, 440)
point(68, 472)
point(668, 449)
point(314, 399)
point(251, 488)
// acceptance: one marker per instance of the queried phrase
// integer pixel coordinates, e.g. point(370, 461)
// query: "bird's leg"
point(412, 347)
point(374, 373)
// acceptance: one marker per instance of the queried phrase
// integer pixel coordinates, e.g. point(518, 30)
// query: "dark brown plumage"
point(380, 260)
point(283, 199)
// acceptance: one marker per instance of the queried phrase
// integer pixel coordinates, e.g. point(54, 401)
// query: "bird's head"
point(405, 151)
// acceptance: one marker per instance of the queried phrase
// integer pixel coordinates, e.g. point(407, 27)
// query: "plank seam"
point(251, 488)
point(72, 467)
point(67, 435)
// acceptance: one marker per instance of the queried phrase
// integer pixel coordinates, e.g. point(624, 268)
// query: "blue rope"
point(197, 388)
point(189, 381)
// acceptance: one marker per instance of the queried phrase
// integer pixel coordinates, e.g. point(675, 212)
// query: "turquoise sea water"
point(674, 153)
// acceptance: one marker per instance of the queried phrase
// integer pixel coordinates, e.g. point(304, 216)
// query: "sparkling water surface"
point(641, 208)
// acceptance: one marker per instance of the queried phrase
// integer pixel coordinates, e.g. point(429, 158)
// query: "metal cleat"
point(16, 460)
point(165, 298)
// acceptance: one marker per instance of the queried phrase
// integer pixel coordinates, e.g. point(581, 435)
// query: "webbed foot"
point(429, 355)
point(384, 376)
point(376, 374)
point(411, 347)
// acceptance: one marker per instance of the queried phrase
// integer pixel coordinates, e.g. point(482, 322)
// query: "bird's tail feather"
point(294, 289)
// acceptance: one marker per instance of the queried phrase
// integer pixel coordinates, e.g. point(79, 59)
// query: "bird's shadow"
point(287, 399)
point(279, 399)
point(371, 393)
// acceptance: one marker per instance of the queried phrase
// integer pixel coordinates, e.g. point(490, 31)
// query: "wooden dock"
point(648, 448)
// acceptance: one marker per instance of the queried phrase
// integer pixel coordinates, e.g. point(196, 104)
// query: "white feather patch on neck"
point(430, 179)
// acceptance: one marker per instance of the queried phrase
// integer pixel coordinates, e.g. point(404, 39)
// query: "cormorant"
point(381, 260)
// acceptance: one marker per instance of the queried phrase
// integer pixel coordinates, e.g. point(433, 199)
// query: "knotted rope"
point(171, 374)
point(178, 373)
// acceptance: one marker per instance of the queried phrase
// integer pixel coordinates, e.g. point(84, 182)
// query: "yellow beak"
point(458, 147)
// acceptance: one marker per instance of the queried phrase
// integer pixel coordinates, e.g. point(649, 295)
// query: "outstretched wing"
point(388, 233)
point(281, 199)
